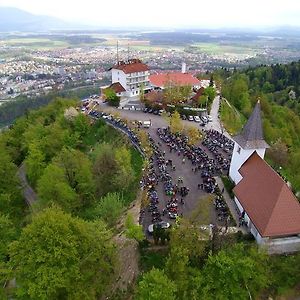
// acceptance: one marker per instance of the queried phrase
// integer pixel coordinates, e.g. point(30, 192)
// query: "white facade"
point(132, 82)
point(239, 156)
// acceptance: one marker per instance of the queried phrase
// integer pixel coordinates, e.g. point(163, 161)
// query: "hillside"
point(280, 109)
point(14, 19)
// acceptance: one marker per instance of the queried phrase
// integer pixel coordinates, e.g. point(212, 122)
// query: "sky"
point(168, 13)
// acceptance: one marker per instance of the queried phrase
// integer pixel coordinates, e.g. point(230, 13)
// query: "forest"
point(77, 167)
point(278, 88)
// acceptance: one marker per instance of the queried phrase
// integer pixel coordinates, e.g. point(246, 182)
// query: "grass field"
point(219, 49)
point(35, 43)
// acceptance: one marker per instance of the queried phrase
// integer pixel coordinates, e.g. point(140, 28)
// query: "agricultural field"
point(219, 48)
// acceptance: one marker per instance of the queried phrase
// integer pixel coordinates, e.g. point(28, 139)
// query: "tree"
point(174, 93)
point(61, 257)
point(124, 168)
point(35, 163)
point(278, 153)
point(210, 92)
point(7, 234)
point(177, 270)
point(78, 173)
point(145, 144)
point(133, 231)
point(193, 134)
point(235, 273)
point(81, 125)
point(112, 97)
point(155, 285)
point(188, 236)
point(104, 169)
point(53, 188)
point(109, 208)
point(202, 100)
point(11, 201)
point(176, 125)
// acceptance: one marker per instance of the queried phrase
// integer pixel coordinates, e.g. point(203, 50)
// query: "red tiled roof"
point(117, 87)
point(266, 198)
point(162, 79)
point(133, 66)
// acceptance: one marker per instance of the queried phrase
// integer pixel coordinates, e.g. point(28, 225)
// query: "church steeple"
point(249, 140)
point(251, 136)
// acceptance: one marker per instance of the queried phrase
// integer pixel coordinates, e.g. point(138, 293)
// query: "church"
point(270, 209)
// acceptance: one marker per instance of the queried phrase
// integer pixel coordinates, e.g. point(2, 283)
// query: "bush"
point(229, 185)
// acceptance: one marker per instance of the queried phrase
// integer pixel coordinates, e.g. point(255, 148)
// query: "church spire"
point(251, 136)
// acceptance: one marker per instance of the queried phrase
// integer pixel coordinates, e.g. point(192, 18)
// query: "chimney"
point(183, 67)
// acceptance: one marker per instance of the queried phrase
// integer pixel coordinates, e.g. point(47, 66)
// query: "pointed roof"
point(251, 136)
point(267, 199)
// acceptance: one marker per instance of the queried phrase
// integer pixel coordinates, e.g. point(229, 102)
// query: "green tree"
point(210, 92)
point(193, 134)
point(54, 140)
point(124, 168)
point(176, 125)
point(178, 271)
point(155, 285)
point(133, 230)
point(235, 273)
point(112, 97)
point(35, 163)
point(104, 169)
point(203, 100)
point(61, 257)
point(7, 234)
point(81, 125)
point(188, 236)
point(11, 201)
point(78, 172)
point(53, 188)
point(108, 209)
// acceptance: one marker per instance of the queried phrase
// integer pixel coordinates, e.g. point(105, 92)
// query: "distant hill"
point(14, 19)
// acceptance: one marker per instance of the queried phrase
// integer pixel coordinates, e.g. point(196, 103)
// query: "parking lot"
point(184, 170)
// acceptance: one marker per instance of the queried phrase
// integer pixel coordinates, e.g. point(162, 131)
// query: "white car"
point(191, 118)
point(209, 118)
point(162, 224)
point(204, 119)
point(197, 119)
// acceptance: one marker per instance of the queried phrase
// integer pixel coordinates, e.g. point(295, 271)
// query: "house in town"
point(264, 200)
point(129, 77)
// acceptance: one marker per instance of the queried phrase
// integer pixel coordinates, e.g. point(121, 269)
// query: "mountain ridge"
point(15, 19)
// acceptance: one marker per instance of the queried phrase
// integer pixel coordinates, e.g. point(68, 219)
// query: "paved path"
point(28, 192)
point(216, 124)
